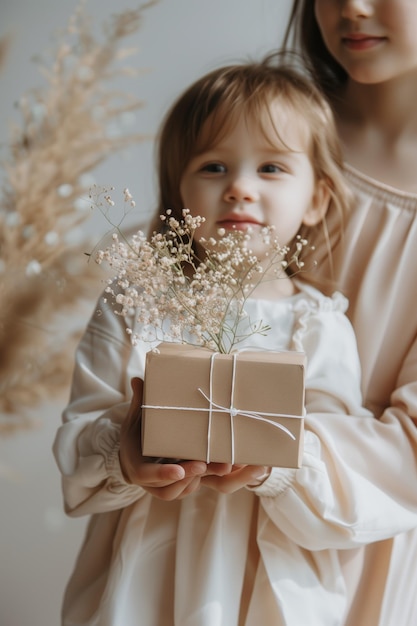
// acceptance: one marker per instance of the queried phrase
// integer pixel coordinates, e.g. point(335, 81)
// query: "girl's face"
point(373, 40)
point(244, 182)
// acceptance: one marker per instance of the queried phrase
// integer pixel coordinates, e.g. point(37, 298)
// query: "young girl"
point(363, 55)
point(191, 544)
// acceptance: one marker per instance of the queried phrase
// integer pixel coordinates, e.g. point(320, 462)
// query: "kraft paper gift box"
point(245, 407)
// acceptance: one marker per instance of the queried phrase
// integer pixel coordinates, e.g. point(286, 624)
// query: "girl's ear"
point(319, 204)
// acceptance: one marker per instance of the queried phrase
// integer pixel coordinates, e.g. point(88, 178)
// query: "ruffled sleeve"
point(332, 500)
point(86, 446)
point(324, 333)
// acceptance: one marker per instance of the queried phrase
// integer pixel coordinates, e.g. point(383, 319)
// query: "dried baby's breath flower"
point(176, 296)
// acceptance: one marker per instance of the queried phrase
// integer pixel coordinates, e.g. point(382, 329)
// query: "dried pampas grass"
point(44, 274)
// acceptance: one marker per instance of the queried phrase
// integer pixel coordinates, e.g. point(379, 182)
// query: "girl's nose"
point(241, 189)
point(354, 9)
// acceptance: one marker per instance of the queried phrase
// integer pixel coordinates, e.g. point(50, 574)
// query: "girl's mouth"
point(238, 222)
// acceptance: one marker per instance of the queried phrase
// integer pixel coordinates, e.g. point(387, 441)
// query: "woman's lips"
point(361, 41)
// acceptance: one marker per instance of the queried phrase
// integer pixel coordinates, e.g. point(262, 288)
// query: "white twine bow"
point(233, 411)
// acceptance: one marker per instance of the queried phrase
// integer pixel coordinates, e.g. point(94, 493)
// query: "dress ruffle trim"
point(314, 303)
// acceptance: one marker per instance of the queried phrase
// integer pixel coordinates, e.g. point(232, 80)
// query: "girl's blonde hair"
point(206, 111)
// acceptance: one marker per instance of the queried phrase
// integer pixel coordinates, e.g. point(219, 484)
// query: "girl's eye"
point(214, 168)
point(270, 168)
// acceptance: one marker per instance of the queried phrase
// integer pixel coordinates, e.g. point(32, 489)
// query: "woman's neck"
point(378, 130)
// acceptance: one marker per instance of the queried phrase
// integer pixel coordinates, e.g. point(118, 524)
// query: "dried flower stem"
point(63, 136)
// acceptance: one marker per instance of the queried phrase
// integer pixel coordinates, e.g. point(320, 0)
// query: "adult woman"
point(364, 56)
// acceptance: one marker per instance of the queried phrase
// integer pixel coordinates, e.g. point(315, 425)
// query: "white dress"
point(279, 554)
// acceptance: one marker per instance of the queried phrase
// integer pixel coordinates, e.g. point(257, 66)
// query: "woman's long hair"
point(304, 37)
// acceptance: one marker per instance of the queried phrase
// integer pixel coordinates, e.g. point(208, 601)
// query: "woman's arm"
point(358, 480)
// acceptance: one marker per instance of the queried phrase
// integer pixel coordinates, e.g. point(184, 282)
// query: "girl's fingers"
point(159, 475)
point(219, 469)
point(176, 490)
point(135, 404)
point(237, 479)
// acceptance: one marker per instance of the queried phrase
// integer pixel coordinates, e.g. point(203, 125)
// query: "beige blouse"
point(376, 265)
point(331, 544)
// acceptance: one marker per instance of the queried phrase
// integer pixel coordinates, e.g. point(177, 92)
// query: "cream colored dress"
point(212, 559)
point(296, 550)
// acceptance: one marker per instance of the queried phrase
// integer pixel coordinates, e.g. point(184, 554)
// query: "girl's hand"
point(167, 481)
point(171, 481)
point(238, 477)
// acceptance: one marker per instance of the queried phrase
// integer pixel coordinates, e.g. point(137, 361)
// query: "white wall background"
point(179, 40)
